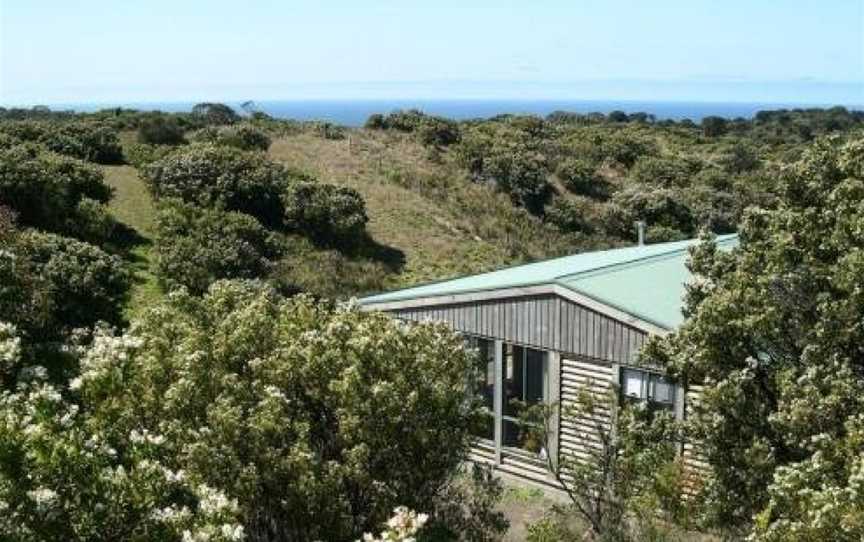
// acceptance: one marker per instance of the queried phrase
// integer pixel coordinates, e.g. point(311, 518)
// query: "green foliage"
point(329, 214)
point(54, 193)
point(570, 215)
point(326, 273)
point(141, 155)
point(774, 331)
point(433, 131)
point(667, 216)
point(665, 172)
point(305, 421)
point(82, 283)
point(211, 175)
point(196, 246)
point(214, 114)
point(713, 126)
point(618, 484)
point(83, 140)
point(243, 136)
point(579, 177)
point(509, 157)
point(159, 129)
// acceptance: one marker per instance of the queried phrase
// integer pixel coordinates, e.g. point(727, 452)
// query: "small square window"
point(634, 383)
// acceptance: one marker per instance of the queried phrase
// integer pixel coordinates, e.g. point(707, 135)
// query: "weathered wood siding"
point(547, 322)
point(579, 435)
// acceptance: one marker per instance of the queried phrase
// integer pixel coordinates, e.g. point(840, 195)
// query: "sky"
point(111, 51)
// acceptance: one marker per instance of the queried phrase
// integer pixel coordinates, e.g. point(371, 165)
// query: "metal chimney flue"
point(640, 231)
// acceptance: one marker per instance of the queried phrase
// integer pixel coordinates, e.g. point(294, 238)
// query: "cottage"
point(548, 329)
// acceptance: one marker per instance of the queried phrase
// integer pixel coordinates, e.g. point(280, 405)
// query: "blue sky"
point(184, 50)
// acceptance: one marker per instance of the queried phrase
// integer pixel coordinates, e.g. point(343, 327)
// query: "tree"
point(774, 332)
point(302, 420)
point(214, 113)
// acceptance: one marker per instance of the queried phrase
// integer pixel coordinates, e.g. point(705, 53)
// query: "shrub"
point(196, 247)
point(714, 126)
point(83, 140)
point(665, 172)
point(141, 155)
point(570, 215)
point(659, 208)
point(375, 122)
point(214, 113)
point(211, 175)
point(160, 129)
point(326, 213)
point(741, 158)
point(84, 283)
point(624, 148)
point(579, 177)
point(242, 136)
point(48, 191)
point(309, 422)
point(326, 273)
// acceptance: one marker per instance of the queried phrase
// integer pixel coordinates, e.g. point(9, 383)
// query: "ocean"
point(355, 112)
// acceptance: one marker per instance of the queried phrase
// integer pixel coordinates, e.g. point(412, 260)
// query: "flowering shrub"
point(402, 527)
point(308, 421)
point(63, 479)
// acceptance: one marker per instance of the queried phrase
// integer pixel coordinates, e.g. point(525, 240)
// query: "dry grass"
point(444, 224)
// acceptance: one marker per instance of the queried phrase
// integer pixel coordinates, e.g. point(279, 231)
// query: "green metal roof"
point(644, 281)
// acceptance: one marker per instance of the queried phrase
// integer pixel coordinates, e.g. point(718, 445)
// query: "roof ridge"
point(646, 258)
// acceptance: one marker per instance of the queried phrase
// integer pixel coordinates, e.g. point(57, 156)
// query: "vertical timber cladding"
point(547, 322)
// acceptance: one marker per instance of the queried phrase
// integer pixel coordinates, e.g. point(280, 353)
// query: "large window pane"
point(514, 384)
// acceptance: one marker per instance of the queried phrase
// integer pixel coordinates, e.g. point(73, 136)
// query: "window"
point(482, 384)
point(656, 389)
point(525, 385)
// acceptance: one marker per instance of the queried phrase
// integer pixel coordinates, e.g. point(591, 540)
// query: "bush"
point(301, 420)
point(326, 273)
point(570, 215)
point(85, 284)
point(579, 177)
point(375, 122)
point(48, 191)
point(214, 113)
point(211, 176)
point(665, 172)
point(160, 129)
point(662, 209)
point(141, 155)
point(83, 140)
point(326, 213)
point(196, 247)
point(242, 136)
point(714, 126)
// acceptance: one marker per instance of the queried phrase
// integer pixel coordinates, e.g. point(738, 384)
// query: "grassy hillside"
point(427, 209)
point(425, 215)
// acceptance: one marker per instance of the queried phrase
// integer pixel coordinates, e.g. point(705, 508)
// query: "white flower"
point(43, 497)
